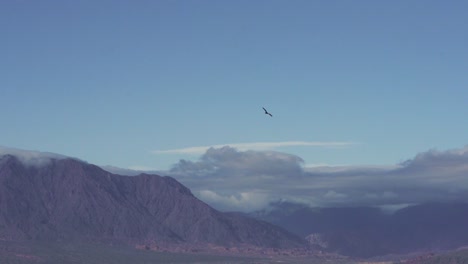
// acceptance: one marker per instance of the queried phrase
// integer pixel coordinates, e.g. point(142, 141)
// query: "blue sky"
point(135, 83)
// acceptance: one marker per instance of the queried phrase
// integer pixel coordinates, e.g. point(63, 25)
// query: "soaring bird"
point(266, 112)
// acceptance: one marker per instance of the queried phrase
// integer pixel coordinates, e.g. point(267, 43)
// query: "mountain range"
point(369, 231)
point(65, 199)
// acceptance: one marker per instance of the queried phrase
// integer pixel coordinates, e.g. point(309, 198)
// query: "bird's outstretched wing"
point(266, 112)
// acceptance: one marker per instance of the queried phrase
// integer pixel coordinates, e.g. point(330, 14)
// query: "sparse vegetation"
point(78, 253)
point(27, 252)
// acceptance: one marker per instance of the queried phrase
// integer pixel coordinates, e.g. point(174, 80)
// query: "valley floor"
point(77, 253)
point(27, 252)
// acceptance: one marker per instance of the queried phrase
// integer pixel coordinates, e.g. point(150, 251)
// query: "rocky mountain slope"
point(65, 199)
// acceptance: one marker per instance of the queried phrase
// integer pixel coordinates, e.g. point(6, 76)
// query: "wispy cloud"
point(142, 168)
point(256, 146)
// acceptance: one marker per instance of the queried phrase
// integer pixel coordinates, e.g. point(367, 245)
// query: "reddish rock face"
point(70, 199)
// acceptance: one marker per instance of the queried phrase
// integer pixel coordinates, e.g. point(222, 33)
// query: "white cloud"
point(255, 146)
point(31, 158)
point(243, 201)
point(271, 175)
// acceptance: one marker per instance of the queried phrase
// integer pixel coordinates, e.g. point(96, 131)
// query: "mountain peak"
point(66, 198)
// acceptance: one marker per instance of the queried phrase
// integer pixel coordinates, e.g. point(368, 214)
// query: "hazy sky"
point(143, 84)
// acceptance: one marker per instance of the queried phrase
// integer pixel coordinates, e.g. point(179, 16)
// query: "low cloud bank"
point(230, 179)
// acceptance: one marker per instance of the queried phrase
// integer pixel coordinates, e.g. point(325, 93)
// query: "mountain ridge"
point(369, 231)
point(70, 199)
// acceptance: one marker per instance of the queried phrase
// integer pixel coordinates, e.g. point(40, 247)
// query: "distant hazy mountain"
point(366, 231)
point(65, 199)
